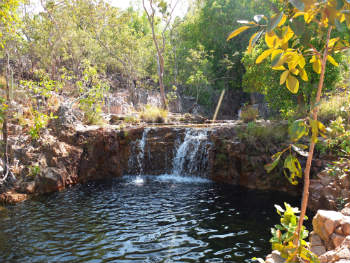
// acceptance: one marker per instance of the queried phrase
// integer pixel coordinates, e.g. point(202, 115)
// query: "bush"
point(333, 107)
point(152, 114)
point(249, 113)
point(267, 133)
point(260, 78)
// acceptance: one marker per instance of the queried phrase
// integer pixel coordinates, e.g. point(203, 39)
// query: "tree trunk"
point(305, 197)
point(5, 122)
point(160, 60)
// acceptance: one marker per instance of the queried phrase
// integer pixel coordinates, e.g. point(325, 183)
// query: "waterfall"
point(191, 157)
point(139, 148)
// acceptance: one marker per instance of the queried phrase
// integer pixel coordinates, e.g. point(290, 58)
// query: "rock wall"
point(330, 238)
point(330, 190)
point(77, 154)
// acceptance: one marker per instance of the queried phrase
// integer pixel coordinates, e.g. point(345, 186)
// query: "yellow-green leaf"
point(316, 66)
point(301, 61)
point(253, 40)
point(284, 76)
point(274, 21)
point(271, 39)
point(292, 83)
point(279, 68)
point(332, 60)
point(250, 46)
point(314, 130)
point(263, 56)
point(276, 56)
point(333, 41)
point(303, 75)
point(295, 71)
point(237, 32)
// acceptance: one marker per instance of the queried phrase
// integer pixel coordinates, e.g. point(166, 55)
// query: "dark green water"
point(157, 219)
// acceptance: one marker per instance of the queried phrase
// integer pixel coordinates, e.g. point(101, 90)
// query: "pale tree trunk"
point(305, 197)
point(5, 122)
point(160, 49)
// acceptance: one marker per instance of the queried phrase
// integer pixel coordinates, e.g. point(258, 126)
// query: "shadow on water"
point(142, 219)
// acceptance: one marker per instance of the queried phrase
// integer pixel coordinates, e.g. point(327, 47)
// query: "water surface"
point(141, 219)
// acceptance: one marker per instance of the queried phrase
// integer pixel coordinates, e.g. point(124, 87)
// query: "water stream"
point(177, 217)
point(165, 219)
point(191, 158)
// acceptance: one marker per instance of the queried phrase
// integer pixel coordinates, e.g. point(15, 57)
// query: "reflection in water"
point(161, 219)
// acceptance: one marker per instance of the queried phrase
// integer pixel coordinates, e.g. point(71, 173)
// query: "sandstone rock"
point(315, 239)
point(12, 197)
point(27, 187)
point(340, 254)
point(274, 257)
point(329, 226)
point(325, 178)
point(318, 250)
point(346, 211)
point(328, 257)
point(325, 222)
point(339, 230)
point(50, 180)
point(337, 239)
point(346, 226)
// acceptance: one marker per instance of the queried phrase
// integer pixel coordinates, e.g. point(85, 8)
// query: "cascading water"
point(191, 157)
point(139, 147)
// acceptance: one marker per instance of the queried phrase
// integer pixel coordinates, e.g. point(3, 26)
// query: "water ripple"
point(164, 219)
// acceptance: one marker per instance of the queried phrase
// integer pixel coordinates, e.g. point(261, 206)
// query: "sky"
point(180, 9)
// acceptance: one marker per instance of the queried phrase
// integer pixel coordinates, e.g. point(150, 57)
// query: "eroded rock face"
point(80, 154)
point(329, 191)
point(330, 239)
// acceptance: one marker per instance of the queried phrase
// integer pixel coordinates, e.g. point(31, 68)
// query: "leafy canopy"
point(288, 41)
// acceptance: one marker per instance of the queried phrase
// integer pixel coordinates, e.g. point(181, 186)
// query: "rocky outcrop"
point(330, 239)
point(331, 189)
point(77, 154)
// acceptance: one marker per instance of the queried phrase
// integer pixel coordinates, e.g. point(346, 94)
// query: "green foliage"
point(249, 113)
point(284, 233)
point(38, 96)
point(338, 105)
point(297, 130)
point(266, 133)
point(260, 78)
point(34, 170)
point(44, 87)
point(40, 122)
point(66, 33)
point(171, 95)
point(8, 19)
point(3, 109)
point(338, 141)
point(199, 73)
point(92, 90)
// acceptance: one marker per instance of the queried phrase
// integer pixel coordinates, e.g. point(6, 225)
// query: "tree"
point(166, 11)
point(289, 47)
point(259, 78)
point(8, 25)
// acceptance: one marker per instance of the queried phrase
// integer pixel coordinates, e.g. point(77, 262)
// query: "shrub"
point(264, 133)
point(152, 114)
point(249, 113)
point(333, 107)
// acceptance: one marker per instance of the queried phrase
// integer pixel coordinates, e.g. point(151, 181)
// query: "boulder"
point(51, 179)
point(325, 223)
point(274, 257)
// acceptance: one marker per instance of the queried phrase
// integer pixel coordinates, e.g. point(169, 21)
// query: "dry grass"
point(335, 106)
point(152, 114)
point(249, 113)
